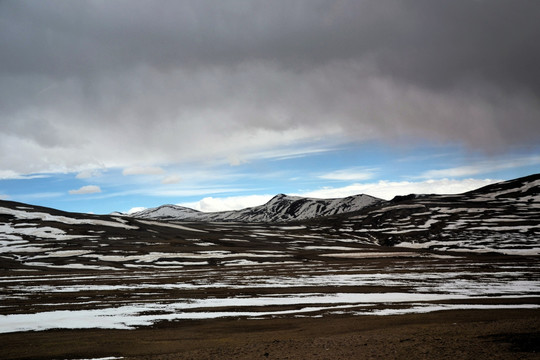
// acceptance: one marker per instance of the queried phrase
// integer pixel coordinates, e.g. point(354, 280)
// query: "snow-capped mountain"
point(503, 218)
point(168, 212)
point(279, 209)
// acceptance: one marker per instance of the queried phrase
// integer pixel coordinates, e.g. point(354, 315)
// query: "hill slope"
point(503, 216)
point(64, 270)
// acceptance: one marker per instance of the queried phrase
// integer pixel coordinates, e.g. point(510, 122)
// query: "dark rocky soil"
point(479, 334)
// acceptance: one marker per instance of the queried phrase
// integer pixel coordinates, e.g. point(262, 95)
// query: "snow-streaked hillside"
point(503, 217)
point(279, 209)
point(69, 270)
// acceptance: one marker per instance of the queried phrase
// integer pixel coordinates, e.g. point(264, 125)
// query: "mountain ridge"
point(502, 218)
point(280, 208)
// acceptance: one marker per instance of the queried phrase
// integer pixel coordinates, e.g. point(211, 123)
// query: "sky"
point(118, 105)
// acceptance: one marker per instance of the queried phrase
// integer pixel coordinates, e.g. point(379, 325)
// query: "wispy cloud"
point(191, 191)
point(86, 174)
point(171, 193)
point(482, 167)
point(350, 174)
point(12, 175)
point(143, 170)
point(88, 189)
point(424, 157)
point(282, 152)
point(286, 154)
point(171, 179)
point(38, 196)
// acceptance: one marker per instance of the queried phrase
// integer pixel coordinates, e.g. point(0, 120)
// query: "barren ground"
point(464, 334)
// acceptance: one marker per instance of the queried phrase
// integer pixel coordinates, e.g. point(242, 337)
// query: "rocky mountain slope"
point(280, 208)
point(503, 216)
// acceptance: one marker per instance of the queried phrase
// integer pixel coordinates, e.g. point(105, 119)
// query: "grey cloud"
point(87, 189)
point(434, 42)
point(95, 81)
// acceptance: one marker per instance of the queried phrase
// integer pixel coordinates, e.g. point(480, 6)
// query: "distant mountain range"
point(503, 218)
point(290, 257)
point(279, 209)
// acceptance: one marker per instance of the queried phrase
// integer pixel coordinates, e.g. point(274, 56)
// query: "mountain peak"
point(280, 208)
point(166, 212)
point(282, 197)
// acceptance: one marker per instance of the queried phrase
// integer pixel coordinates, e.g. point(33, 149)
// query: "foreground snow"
point(129, 299)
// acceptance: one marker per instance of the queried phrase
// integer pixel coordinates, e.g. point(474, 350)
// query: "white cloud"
point(85, 174)
point(9, 174)
point(135, 209)
point(388, 189)
point(235, 160)
point(88, 189)
point(4, 197)
point(350, 174)
point(171, 179)
point(211, 204)
point(143, 170)
point(12, 175)
point(482, 167)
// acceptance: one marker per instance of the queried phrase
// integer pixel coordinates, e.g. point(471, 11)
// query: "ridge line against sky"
point(120, 104)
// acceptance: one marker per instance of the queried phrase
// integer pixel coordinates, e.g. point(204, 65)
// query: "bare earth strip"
point(477, 334)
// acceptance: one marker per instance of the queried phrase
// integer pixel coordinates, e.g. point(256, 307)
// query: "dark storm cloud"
point(77, 73)
point(438, 43)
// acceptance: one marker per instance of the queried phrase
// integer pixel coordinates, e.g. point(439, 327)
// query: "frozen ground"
point(123, 299)
point(423, 254)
